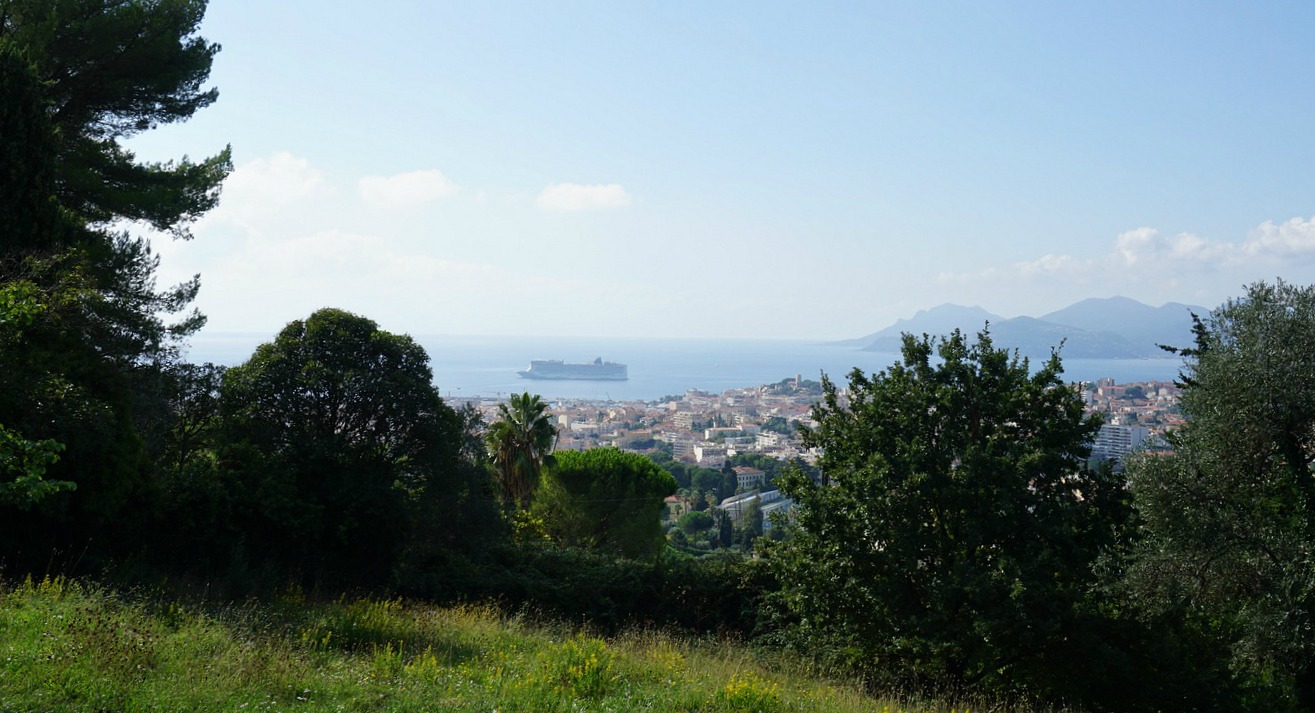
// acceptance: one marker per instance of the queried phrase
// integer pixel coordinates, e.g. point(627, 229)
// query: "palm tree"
point(521, 443)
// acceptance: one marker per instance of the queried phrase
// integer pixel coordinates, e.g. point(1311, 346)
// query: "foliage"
point(605, 499)
point(1229, 515)
point(333, 431)
point(521, 443)
point(190, 430)
point(76, 78)
point(29, 213)
point(687, 475)
point(108, 71)
point(694, 522)
point(952, 539)
point(712, 594)
point(23, 462)
point(116, 68)
point(778, 424)
point(22, 465)
point(749, 525)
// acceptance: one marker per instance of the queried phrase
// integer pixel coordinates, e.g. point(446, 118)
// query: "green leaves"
point(956, 523)
point(335, 430)
point(1229, 516)
point(77, 77)
point(25, 462)
point(114, 69)
point(521, 443)
point(605, 499)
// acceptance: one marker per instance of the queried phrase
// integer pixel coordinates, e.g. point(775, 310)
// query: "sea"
point(485, 366)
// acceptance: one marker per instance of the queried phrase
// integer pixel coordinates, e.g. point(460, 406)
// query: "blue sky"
point(811, 170)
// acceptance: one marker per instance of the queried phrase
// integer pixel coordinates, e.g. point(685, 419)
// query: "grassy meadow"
point(69, 646)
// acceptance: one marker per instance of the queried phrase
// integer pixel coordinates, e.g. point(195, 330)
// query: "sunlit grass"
point(66, 646)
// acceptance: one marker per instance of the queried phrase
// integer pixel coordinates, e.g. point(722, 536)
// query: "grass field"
point(68, 646)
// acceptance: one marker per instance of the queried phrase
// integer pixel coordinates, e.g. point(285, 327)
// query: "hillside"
point(78, 647)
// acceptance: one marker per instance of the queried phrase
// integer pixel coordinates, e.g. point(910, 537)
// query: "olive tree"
point(1229, 516)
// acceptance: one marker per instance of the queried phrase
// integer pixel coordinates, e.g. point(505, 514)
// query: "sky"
point(736, 169)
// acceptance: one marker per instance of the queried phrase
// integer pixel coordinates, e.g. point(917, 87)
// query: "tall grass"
point(68, 646)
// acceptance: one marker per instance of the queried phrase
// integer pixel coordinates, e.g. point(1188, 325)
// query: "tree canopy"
point(605, 499)
point(76, 78)
point(954, 530)
point(336, 426)
point(1229, 515)
point(113, 69)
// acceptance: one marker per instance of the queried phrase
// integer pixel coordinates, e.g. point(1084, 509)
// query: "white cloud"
point(1294, 237)
point(1131, 244)
point(1147, 264)
point(1147, 252)
point(579, 197)
point(264, 185)
point(1149, 248)
point(404, 190)
point(1047, 265)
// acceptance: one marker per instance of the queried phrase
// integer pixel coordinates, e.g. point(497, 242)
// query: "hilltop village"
point(706, 429)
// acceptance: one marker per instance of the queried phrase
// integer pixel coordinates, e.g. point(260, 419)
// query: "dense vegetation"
point(954, 540)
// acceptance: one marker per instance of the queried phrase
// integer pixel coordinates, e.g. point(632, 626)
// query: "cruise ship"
point(597, 370)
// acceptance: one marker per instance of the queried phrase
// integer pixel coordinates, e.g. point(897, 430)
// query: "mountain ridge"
point(1095, 328)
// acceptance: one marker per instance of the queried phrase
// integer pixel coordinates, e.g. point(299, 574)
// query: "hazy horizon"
point(207, 330)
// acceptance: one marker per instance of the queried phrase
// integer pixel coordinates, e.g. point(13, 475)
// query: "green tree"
point(108, 70)
point(778, 424)
point(1229, 515)
point(113, 69)
point(23, 462)
point(29, 214)
point(521, 443)
point(192, 415)
point(605, 499)
point(22, 469)
point(695, 522)
point(77, 77)
point(334, 430)
point(954, 540)
point(749, 526)
point(58, 390)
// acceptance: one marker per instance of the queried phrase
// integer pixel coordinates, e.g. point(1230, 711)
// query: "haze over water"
point(467, 366)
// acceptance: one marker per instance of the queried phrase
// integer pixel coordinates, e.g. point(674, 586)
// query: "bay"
point(481, 366)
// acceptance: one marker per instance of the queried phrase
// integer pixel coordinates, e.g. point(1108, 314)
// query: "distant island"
point(1097, 328)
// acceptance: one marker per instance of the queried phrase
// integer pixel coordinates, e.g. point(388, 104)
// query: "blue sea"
point(466, 367)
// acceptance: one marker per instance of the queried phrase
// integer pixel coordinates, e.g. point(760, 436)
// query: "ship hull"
point(569, 377)
point(555, 370)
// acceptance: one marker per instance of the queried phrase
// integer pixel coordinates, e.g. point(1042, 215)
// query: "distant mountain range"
point(1109, 328)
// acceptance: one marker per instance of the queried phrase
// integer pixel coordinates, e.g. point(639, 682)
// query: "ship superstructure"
point(597, 370)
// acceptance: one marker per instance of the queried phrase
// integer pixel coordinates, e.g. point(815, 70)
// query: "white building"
point(1114, 441)
point(769, 502)
point(747, 478)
